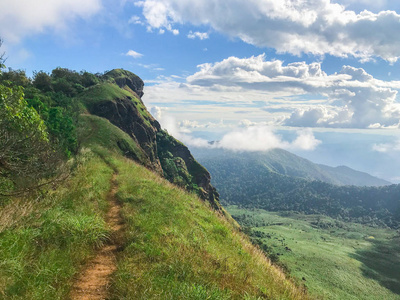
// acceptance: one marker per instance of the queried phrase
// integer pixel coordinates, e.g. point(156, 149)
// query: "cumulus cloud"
point(19, 18)
point(199, 35)
point(134, 54)
point(250, 137)
point(355, 99)
point(314, 26)
point(257, 138)
point(135, 20)
point(156, 112)
point(387, 147)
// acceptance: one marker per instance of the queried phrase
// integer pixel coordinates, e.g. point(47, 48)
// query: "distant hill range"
point(285, 163)
point(280, 181)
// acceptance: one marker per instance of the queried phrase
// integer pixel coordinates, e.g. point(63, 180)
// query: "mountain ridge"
point(286, 163)
point(119, 101)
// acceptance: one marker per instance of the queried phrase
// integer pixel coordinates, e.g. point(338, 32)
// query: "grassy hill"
point(175, 246)
point(175, 241)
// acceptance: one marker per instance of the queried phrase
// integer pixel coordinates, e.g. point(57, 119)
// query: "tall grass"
point(174, 246)
point(45, 240)
point(177, 248)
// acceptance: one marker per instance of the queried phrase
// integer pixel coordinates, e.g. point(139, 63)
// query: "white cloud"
point(258, 138)
point(20, 18)
point(314, 26)
point(134, 54)
point(250, 138)
point(153, 67)
point(199, 35)
point(355, 99)
point(386, 147)
point(156, 112)
point(135, 20)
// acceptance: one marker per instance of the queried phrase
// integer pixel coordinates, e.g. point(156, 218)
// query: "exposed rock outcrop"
point(165, 154)
point(124, 114)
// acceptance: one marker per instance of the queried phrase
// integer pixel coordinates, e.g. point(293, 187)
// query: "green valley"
point(342, 242)
point(334, 259)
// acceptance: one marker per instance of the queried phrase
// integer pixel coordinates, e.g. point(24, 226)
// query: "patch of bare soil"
point(94, 280)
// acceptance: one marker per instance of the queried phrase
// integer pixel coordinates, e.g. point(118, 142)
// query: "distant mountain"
point(285, 163)
point(280, 181)
point(346, 175)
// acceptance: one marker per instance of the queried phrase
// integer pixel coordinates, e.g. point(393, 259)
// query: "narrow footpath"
point(94, 280)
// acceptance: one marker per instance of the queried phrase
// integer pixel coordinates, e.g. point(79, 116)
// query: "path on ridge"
point(94, 280)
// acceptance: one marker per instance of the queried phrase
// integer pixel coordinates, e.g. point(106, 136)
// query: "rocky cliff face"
point(124, 114)
point(165, 154)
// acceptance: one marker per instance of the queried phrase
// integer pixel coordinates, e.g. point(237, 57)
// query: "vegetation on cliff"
point(175, 245)
point(55, 105)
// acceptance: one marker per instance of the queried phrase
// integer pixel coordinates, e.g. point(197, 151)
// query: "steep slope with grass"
point(117, 99)
point(44, 238)
point(178, 248)
point(176, 242)
point(174, 245)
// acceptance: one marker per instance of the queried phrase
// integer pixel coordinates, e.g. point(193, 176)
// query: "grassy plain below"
point(334, 259)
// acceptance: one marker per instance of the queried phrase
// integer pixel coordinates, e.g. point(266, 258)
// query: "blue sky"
point(319, 78)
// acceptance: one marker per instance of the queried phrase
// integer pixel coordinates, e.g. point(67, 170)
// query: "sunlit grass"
point(177, 248)
point(45, 241)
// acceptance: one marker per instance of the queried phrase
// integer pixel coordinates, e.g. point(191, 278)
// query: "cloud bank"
point(259, 138)
point(355, 99)
point(387, 147)
point(290, 26)
point(248, 138)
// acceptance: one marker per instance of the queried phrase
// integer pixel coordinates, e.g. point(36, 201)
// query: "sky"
point(319, 78)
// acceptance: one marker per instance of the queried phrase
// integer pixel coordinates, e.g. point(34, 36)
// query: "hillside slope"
point(282, 162)
point(174, 245)
point(117, 99)
point(174, 239)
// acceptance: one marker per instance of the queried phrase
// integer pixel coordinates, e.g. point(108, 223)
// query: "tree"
point(26, 154)
point(42, 81)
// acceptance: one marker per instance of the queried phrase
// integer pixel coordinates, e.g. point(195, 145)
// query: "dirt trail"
point(94, 280)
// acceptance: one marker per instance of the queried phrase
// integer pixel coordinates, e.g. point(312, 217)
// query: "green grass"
point(103, 92)
point(176, 247)
point(334, 259)
point(108, 91)
point(96, 131)
point(44, 241)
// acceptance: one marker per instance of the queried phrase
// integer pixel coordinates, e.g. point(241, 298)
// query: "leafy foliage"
point(173, 165)
point(25, 152)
